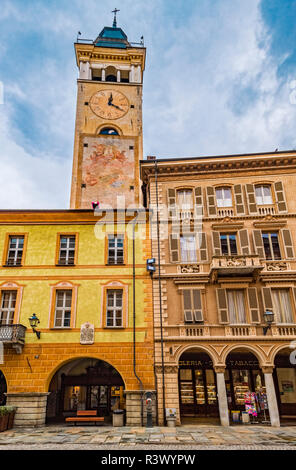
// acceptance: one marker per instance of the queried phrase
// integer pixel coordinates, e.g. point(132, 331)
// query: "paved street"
point(183, 437)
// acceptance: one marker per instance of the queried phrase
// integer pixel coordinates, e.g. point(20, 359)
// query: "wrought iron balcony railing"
point(13, 334)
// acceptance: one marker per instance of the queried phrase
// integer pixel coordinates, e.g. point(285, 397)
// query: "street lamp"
point(34, 321)
point(268, 318)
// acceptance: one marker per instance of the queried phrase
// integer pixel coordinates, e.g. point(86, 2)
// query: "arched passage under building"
point(85, 384)
point(3, 389)
point(284, 376)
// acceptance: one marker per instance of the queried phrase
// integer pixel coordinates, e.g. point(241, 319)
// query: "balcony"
point(266, 209)
point(240, 265)
point(14, 335)
point(225, 212)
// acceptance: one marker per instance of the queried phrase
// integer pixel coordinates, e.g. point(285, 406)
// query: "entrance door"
point(198, 393)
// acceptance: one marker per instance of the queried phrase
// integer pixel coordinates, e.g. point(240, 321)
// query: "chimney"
point(150, 157)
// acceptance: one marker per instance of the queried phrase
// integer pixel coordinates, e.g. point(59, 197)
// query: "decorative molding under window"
point(189, 268)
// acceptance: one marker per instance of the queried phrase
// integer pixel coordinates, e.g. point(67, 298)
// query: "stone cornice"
point(212, 165)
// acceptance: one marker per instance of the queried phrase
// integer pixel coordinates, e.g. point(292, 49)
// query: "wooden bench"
point(85, 416)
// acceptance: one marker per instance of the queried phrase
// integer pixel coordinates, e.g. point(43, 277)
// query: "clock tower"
point(108, 131)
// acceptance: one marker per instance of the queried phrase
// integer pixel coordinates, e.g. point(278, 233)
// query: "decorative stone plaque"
point(87, 333)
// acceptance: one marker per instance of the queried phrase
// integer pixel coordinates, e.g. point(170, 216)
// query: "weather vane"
point(114, 21)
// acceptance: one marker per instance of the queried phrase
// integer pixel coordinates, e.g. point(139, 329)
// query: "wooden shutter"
point(244, 242)
point(294, 296)
point(258, 243)
point(198, 200)
point(211, 201)
point(288, 243)
point(172, 209)
point(267, 298)
point(252, 206)
point(254, 306)
point(239, 199)
point(280, 197)
point(174, 247)
point(216, 244)
point(187, 304)
point(197, 305)
point(203, 250)
point(222, 305)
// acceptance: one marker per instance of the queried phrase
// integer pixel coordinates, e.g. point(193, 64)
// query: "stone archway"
point(85, 384)
point(3, 389)
point(284, 376)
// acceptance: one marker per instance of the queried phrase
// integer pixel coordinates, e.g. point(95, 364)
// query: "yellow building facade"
point(82, 272)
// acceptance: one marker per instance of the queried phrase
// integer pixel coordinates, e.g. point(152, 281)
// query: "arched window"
point(111, 74)
point(108, 131)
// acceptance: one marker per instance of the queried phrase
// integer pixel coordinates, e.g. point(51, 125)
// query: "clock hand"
point(110, 100)
point(117, 107)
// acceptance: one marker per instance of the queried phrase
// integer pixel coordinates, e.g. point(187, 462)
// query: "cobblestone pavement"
point(182, 437)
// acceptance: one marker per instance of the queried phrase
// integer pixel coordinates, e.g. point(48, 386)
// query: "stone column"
point(31, 408)
point(103, 75)
point(271, 397)
point(118, 75)
point(222, 396)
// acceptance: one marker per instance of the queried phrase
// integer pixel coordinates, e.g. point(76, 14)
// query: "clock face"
point(109, 104)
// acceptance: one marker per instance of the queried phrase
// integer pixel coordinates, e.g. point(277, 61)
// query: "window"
point(188, 249)
point(224, 197)
point(271, 245)
point(228, 244)
point(108, 131)
point(192, 306)
point(15, 250)
point(115, 249)
point(184, 199)
point(236, 306)
point(114, 308)
point(67, 250)
point(8, 302)
point(63, 308)
point(263, 195)
point(282, 305)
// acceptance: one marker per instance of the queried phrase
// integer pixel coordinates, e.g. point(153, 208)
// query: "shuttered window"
point(188, 249)
point(239, 199)
point(223, 197)
point(236, 306)
point(280, 197)
point(271, 246)
point(253, 305)
point(228, 244)
point(184, 199)
point(192, 304)
point(222, 305)
point(282, 305)
point(263, 195)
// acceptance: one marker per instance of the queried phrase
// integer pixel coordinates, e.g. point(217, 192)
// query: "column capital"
point(268, 369)
point(219, 369)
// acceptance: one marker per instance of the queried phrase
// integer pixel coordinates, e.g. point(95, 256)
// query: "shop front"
point(197, 386)
point(87, 385)
point(284, 376)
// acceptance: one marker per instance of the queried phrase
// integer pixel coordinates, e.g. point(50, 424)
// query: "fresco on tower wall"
point(107, 170)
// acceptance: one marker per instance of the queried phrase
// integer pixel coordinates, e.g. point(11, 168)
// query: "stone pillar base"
point(31, 408)
point(133, 407)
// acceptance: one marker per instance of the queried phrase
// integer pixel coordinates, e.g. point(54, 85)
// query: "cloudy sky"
point(220, 79)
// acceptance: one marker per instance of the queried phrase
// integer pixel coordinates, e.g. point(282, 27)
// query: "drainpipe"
point(134, 323)
point(160, 296)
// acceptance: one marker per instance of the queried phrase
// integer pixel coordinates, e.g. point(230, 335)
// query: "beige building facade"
point(224, 292)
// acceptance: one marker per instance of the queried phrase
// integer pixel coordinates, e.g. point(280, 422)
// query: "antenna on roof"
point(115, 21)
point(142, 41)
point(78, 34)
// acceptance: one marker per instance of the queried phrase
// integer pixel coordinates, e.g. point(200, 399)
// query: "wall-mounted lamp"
point(268, 318)
point(34, 321)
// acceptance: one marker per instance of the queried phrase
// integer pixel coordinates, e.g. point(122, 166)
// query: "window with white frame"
point(188, 249)
point(271, 245)
point(281, 301)
point(8, 302)
point(67, 250)
point(114, 308)
point(115, 249)
point(228, 244)
point(223, 197)
point(236, 306)
point(63, 308)
point(263, 194)
point(15, 250)
point(184, 199)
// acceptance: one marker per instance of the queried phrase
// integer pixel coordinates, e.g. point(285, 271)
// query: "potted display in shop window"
point(6, 417)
